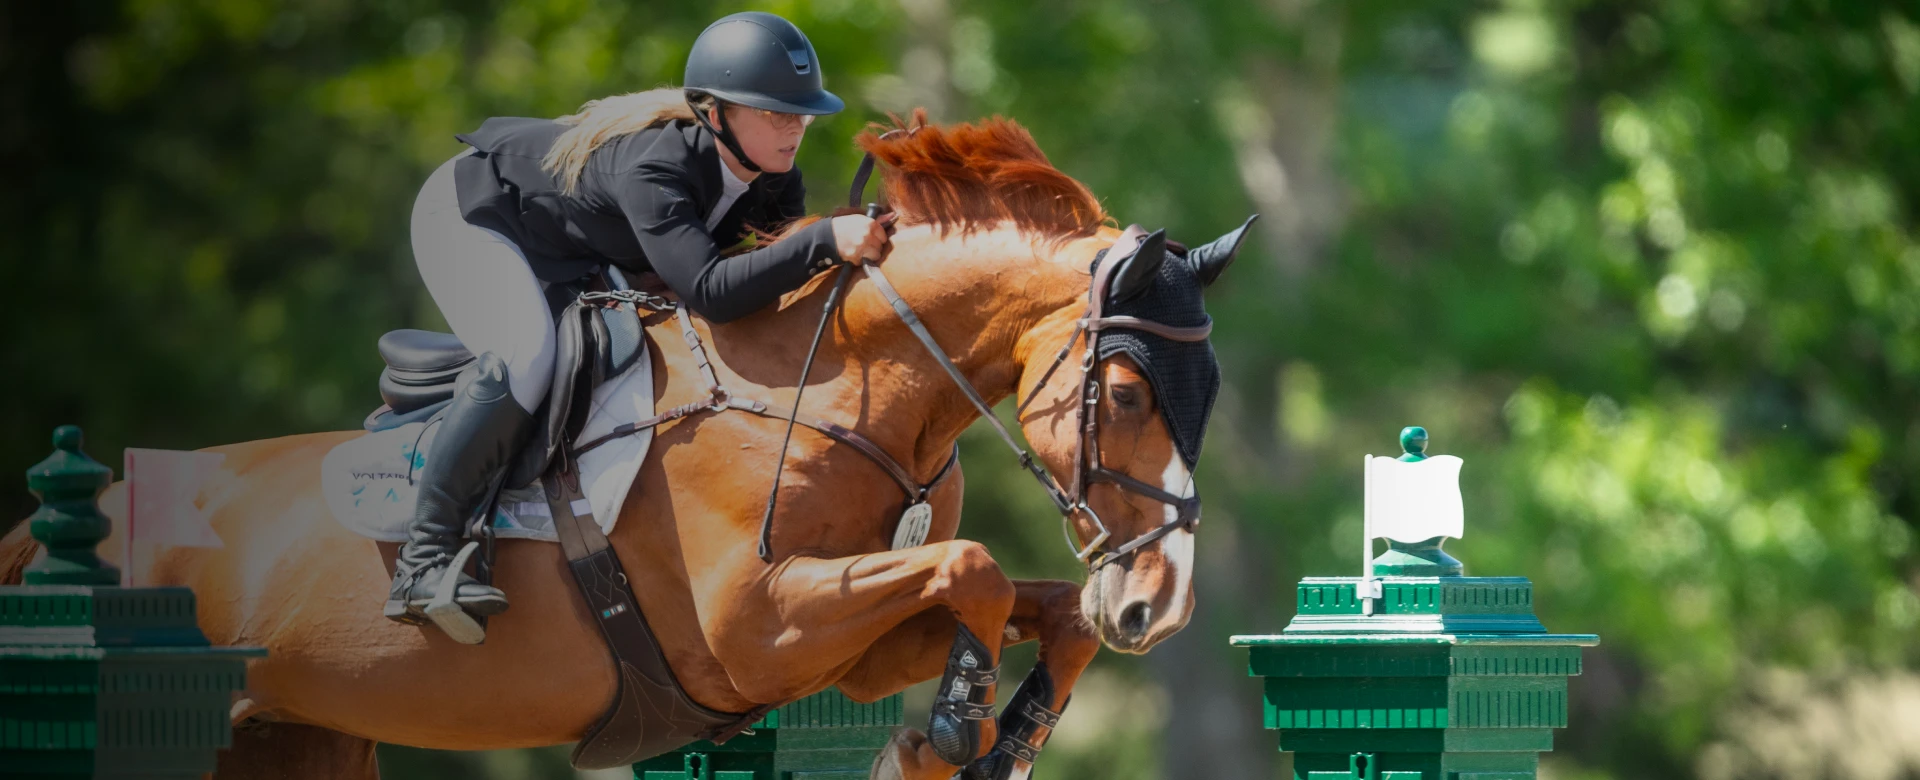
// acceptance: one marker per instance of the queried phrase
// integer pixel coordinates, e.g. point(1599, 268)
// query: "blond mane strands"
point(603, 120)
point(968, 176)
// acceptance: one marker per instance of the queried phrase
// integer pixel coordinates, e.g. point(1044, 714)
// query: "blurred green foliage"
point(1649, 267)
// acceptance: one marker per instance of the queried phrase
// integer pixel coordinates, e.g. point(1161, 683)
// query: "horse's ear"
point(1137, 270)
point(1209, 260)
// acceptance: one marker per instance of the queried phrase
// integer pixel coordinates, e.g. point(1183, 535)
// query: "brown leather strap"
point(1174, 332)
point(1065, 350)
point(914, 489)
point(629, 429)
point(651, 713)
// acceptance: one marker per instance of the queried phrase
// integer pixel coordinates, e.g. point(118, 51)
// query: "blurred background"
point(1649, 267)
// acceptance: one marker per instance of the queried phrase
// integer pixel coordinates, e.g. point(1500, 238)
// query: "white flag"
point(1414, 501)
point(163, 491)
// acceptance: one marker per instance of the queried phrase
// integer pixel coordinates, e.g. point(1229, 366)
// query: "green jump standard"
point(826, 736)
point(99, 681)
point(1449, 678)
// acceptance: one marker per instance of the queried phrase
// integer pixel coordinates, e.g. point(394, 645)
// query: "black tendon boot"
point(964, 700)
point(479, 434)
point(1025, 714)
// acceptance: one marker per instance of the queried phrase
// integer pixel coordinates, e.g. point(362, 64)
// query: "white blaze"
point(1177, 546)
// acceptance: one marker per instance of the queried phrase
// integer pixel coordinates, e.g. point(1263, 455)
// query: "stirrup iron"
point(449, 616)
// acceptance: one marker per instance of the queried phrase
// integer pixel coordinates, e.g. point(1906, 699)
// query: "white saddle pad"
point(370, 482)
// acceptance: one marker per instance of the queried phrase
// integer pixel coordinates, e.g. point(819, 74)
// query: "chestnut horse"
point(993, 253)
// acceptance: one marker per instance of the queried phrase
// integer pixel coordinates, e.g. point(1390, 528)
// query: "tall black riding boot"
point(479, 434)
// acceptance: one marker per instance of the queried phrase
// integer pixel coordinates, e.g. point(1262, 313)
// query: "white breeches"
point(484, 288)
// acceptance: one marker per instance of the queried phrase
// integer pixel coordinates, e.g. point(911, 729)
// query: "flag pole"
point(126, 541)
point(1368, 588)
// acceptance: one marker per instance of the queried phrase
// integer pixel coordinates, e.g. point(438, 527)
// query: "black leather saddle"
point(422, 368)
point(595, 343)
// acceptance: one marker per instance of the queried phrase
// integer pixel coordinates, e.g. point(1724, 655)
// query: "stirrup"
point(399, 610)
point(449, 616)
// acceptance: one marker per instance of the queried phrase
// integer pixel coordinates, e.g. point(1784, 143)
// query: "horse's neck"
point(977, 295)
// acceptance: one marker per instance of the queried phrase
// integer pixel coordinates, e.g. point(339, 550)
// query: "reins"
point(806, 369)
point(1088, 469)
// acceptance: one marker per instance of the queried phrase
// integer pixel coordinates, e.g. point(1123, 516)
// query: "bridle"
point(1087, 467)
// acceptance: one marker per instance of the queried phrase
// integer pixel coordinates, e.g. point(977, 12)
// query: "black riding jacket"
point(642, 204)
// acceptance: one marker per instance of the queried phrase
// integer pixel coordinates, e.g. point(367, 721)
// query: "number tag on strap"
point(914, 525)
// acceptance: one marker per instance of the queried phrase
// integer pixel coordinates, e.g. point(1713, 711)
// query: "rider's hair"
point(603, 120)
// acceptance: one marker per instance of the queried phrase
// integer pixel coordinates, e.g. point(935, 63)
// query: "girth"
point(651, 712)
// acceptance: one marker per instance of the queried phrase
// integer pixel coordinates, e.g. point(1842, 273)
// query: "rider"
point(664, 181)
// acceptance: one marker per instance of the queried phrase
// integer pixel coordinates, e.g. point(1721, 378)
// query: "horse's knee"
point(968, 577)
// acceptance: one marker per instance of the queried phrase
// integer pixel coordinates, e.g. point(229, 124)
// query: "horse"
point(993, 251)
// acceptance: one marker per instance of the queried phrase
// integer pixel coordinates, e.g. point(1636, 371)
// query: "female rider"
point(659, 181)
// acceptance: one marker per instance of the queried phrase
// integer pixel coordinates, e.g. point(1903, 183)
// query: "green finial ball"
point(1413, 440)
point(68, 438)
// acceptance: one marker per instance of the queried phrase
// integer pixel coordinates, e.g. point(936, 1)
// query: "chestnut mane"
point(968, 176)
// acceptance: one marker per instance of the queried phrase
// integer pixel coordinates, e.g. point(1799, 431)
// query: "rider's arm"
point(683, 253)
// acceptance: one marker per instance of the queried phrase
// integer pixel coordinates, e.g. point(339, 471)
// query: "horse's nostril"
point(1135, 618)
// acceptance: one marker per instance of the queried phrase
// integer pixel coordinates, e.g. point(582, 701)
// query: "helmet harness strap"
point(723, 132)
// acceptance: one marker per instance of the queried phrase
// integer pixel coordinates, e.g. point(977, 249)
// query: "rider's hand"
point(860, 239)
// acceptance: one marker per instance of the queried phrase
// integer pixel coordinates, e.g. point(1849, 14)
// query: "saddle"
point(595, 343)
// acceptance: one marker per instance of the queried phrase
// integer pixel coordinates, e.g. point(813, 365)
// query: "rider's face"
point(770, 139)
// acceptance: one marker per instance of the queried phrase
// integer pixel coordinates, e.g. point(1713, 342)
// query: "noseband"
point(1087, 468)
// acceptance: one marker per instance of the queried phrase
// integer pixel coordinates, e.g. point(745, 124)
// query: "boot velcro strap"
point(1041, 715)
point(1018, 748)
point(965, 710)
point(975, 677)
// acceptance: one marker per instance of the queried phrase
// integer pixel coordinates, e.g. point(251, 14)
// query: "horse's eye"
point(1127, 397)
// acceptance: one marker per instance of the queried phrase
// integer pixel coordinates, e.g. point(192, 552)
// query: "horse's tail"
point(16, 551)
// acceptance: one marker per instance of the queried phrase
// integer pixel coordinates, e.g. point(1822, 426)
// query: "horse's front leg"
point(811, 619)
point(1044, 610)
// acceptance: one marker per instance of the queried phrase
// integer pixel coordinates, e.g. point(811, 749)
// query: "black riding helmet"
point(759, 60)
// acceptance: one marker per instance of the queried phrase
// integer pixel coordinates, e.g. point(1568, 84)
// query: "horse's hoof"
point(901, 752)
